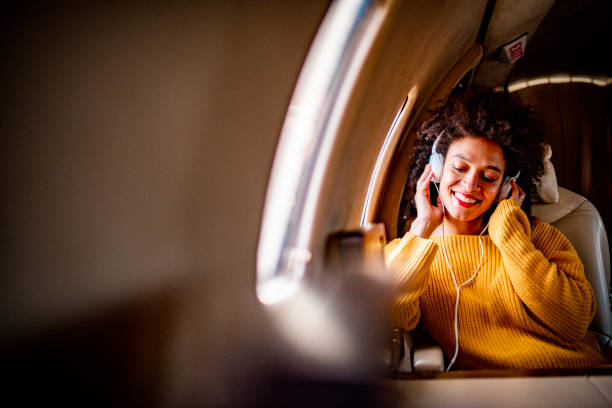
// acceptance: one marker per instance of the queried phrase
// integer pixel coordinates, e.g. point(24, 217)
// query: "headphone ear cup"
point(504, 189)
point(436, 160)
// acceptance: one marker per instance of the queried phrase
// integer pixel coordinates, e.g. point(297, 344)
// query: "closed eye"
point(490, 177)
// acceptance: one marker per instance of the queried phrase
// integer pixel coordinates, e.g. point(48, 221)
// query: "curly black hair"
point(500, 117)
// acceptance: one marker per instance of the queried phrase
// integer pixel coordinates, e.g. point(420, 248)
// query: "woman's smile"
point(465, 200)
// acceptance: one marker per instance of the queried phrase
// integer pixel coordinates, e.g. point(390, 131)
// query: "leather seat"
point(581, 223)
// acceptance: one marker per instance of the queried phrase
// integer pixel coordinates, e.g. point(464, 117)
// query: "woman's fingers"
point(428, 216)
point(518, 194)
point(425, 176)
point(422, 189)
point(514, 194)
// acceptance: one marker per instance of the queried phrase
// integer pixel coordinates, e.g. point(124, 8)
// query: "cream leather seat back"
point(580, 221)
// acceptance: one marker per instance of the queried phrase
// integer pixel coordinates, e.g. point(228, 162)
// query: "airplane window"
point(378, 163)
point(385, 156)
point(306, 141)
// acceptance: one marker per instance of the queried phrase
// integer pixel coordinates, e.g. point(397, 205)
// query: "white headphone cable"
point(458, 287)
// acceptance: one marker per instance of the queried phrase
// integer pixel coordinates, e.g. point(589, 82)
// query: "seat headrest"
point(547, 189)
point(567, 202)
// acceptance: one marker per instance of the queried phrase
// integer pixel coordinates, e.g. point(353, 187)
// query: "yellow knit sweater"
point(529, 306)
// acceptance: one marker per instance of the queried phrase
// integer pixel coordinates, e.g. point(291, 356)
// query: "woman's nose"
point(470, 181)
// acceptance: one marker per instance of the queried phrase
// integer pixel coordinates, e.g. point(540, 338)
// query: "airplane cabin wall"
point(138, 144)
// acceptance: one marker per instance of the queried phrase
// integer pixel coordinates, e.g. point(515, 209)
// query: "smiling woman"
point(512, 129)
point(537, 297)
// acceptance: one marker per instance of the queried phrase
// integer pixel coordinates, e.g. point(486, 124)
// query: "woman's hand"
point(518, 194)
point(428, 216)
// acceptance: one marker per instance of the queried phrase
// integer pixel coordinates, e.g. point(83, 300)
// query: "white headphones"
point(436, 160)
point(506, 187)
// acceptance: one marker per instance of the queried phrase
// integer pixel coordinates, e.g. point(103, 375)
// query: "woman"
point(494, 288)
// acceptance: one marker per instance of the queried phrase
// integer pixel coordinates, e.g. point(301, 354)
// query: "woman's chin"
point(467, 218)
point(463, 215)
point(465, 212)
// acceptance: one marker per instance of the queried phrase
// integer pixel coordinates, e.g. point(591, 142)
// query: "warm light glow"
point(538, 81)
point(517, 86)
point(559, 79)
point(582, 79)
point(602, 81)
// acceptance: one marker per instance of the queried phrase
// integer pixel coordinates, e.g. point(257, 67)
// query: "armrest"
point(406, 357)
point(428, 358)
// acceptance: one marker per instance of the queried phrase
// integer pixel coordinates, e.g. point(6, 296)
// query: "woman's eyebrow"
point(459, 156)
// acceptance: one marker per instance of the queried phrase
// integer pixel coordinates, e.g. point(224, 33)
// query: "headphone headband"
point(434, 147)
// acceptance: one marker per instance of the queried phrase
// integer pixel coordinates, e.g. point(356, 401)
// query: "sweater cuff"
point(508, 220)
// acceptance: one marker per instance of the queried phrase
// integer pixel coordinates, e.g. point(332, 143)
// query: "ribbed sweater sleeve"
point(409, 259)
point(545, 271)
